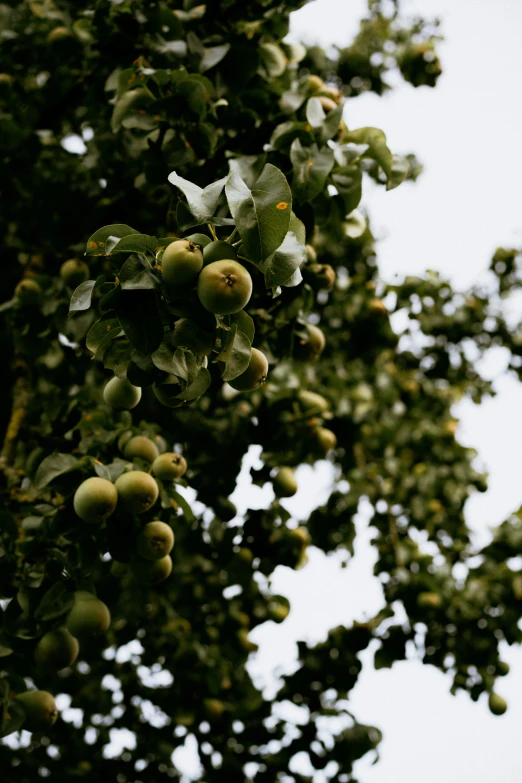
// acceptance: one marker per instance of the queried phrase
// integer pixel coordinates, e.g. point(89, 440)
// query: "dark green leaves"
point(201, 202)
point(262, 214)
point(282, 268)
point(102, 333)
point(377, 149)
point(103, 240)
point(139, 317)
point(136, 273)
point(128, 105)
point(311, 168)
point(236, 353)
point(53, 466)
point(82, 296)
point(135, 243)
point(56, 601)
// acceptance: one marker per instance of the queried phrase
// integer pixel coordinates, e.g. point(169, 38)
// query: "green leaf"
point(82, 296)
point(135, 243)
point(331, 123)
point(103, 240)
point(401, 168)
point(236, 354)
point(377, 147)
point(117, 357)
point(12, 717)
point(182, 503)
point(198, 338)
point(139, 317)
point(129, 103)
point(198, 386)
point(284, 134)
point(136, 273)
point(102, 333)
point(280, 268)
point(244, 324)
point(202, 202)
point(53, 466)
point(311, 168)
point(212, 56)
point(56, 601)
point(262, 214)
point(163, 358)
point(315, 114)
point(348, 182)
point(298, 227)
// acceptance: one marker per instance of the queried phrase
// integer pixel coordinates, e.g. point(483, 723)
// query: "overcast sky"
point(468, 133)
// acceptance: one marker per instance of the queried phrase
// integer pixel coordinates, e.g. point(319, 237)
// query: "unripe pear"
point(320, 277)
point(224, 287)
point(497, 704)
point(429, 600)
point(88, 616)
point(123, 439)
point(161, 443)
point(311, 254)
point(325, 439)
point(284, 483)
point(312, 348)
point(218, 251)
point(59, 34)
point(56, 649)
point(255, 374)
point(327, 103)
point(169, 466)
point(142, 448)
point(502, 668)
point(315, 83)
point(28, 292)
point(40, 709)
point(155, 541)
point(95, 499)
point(312, 402)
point(152, 572)
point(119, 393)
point(214, 708)
point(244, 641)
point(181, 262)
point(137, 491)
point(74, 272)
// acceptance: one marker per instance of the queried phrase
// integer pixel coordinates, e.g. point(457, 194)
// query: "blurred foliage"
point(142, 90)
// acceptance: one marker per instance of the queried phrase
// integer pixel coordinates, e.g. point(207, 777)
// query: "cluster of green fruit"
point(59, 648)
point(136, 491)
point(29, 292)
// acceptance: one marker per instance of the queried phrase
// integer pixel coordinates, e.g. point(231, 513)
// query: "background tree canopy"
point(200, 121)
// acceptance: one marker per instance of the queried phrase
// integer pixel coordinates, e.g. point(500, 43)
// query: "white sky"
point(468, 133)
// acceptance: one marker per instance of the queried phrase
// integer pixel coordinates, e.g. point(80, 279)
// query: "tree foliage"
point(201, 122)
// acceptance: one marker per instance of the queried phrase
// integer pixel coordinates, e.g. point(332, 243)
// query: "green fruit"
point(95, 499)
point(181, 262)
point(74, 272)
point(218, 251)
point(56, 649)
point(225, 509)
point(28, 292)
point(137, 491)
point(278, 608)
point(155, 541)
point(311, 254)
point(331, 92)
point(142, 448)
point(431, 600)
point(328, 104)
point(6, 79)
point(320, 277)
point(214, 708)
point(315, 83)
point(255, 374)
point(325, 439)
point(40, 709)
point(224, 287)
point(169, 466)
point(312, 348)
point(152, 572)
point(88, 617)
point(59, 34)
point(502, 668)
point(119, 393)
point(161, 443)
point(284, 483)
point(123, 439)
point(497, 704)
point(312, 403)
